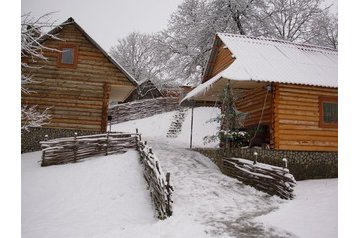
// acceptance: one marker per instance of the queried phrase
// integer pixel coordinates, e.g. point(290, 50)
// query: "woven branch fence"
point(142, 108)
point(267, 178)
point(73, 149)
point(159, 186)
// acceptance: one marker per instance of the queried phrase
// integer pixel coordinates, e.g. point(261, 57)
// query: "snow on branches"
point(32, 51)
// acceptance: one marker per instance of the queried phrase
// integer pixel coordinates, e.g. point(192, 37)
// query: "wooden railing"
point(72, 149)
point(142, 108)
point(159, 186)
point(267, 178)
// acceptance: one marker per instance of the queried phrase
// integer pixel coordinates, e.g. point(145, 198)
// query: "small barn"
point(76, 82)
point(145, 90)
point(290, 89)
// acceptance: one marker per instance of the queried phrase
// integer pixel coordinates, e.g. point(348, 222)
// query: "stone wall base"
point(30, 139)
point(302, 164)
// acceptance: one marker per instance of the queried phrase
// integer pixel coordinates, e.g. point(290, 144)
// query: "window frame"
point(327, 99)
point(75, 55)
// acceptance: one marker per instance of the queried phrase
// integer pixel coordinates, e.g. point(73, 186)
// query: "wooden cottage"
point(78, 80)
point(290, 89)
point(145, 90)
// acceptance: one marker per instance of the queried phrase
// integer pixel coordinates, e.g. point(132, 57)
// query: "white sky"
point(107, 20)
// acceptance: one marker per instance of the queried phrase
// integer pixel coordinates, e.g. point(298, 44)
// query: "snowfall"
point(106, 196)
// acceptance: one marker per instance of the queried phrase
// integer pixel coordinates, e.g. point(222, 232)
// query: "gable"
point(220, 58)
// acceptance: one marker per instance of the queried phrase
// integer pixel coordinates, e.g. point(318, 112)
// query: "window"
point(328, 111)
point(67, 56)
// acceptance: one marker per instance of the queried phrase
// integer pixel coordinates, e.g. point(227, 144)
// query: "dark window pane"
point(67, 56)
point(330, 112)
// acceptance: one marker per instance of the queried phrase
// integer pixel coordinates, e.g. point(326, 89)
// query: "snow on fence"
point(159, 187)
point(72, 149)
point(267, 178)
point(142, 108)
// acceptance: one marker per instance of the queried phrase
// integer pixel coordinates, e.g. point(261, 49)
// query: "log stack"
point(267, 178)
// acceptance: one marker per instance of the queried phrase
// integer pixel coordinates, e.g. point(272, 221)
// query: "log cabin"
point(77, 81)
point(290, 89)
point(145, 90)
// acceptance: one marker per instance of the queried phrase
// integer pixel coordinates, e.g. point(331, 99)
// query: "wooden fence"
point(159, 186)
point(267, 178)
point(142, 108)
point(72, 149)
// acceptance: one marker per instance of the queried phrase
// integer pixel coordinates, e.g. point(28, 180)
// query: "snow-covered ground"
point(106, 196)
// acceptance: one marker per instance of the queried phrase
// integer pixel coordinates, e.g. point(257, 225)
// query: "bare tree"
point(136, 54)
point(291, 20)
point(325, 31)
point(182, 50)
point(32, 51)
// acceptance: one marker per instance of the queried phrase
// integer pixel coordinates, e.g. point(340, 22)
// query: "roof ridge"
point(304, 45)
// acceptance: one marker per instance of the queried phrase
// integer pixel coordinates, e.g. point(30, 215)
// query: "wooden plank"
point(290, 137)
point(105, 101)
point(307, 148)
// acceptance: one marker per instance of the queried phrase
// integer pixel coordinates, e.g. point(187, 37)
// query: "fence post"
point(107, 143)
point(169, 189)
point(75, 148)
point(44, 153)
point(285, 163)
point(255, 159)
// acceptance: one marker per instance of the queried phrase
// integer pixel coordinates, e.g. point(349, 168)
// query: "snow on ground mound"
point(157, 126)
point(312, 214)
point(98, 197)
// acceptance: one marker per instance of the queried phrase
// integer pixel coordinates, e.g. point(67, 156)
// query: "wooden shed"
point(291, 89)
point(145, 90)
point(78, 80)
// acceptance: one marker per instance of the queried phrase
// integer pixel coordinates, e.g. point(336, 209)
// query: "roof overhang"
point(211, 90)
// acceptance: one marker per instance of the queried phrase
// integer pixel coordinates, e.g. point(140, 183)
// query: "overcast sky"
point(107, 20)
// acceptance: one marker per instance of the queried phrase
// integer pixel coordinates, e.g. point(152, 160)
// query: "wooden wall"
point(221, 60)
point(76, 97)
point(252, 103)
point(296, 119)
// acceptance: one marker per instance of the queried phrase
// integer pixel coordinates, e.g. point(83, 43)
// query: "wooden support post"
point(44, 153)
point(255, 157)
point(169, 189)
point(75, 148)
point(107, 143)
point(285, 163)
point(191, 127)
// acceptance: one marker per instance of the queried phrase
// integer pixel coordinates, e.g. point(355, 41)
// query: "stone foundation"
point(302, 164)
point(30, 139)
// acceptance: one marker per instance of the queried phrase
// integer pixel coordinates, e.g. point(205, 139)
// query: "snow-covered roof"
point(270, 60)
point(70, 20)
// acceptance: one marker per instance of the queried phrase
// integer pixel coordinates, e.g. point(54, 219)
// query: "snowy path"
point(222, 204)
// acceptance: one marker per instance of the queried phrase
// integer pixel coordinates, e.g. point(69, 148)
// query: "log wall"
point(76, 96)
point(296, 119)
point(221, 60)
point(252, 103)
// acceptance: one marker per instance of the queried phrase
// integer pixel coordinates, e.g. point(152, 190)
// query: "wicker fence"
point(267, 178)
point(73, 149)
point(159, 186)
point(142, 108)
